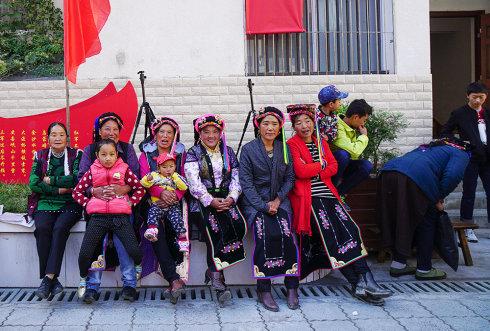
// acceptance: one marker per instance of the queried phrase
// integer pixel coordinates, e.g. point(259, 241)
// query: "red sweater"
point(305, 169)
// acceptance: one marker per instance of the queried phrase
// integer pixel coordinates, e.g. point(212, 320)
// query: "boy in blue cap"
point(326, 114)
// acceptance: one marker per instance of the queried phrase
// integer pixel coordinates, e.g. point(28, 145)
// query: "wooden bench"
point(459, 227)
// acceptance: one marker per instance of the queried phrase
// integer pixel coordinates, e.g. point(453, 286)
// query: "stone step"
point(453, 201)
point(479, 216)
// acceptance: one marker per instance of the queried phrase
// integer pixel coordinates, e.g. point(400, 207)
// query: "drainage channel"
point(27, 295)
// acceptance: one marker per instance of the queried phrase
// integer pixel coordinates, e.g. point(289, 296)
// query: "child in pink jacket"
point(107, 215)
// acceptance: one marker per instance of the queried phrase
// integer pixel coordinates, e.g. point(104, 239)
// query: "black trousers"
point(163, 255)
point(52, 231)
point(470, 180)
point(352, 271)
point(264, 285)
point(424, 240)
point(97, 228)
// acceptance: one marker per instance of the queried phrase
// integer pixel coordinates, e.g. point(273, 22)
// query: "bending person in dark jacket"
point(470, 122)
point(411, 193)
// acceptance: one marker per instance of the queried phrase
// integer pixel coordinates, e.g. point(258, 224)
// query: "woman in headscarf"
point(329, 238)
point(165, 136)
point(53, 175)
point(266, 176)
point(211, 169)
point(108, 126)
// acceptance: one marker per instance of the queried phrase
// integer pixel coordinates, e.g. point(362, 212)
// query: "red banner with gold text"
point(20, 137)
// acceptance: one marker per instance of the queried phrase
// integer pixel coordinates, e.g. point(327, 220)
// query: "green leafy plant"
point(13, 197)
point(383, 127)
point(31, 39)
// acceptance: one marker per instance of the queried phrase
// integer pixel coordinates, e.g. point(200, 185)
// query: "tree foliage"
point(31, 38)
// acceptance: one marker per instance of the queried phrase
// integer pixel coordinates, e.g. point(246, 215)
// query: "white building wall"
point(189, 38)
point(460, 5)
point(183, 38)
point(185, 98)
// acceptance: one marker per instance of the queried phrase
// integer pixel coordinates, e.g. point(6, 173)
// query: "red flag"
point(274, 16)
point(83, 20)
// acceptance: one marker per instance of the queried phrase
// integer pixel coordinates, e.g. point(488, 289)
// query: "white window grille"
point(342, 37)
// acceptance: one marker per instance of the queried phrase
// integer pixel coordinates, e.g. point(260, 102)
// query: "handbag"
point(445, 241)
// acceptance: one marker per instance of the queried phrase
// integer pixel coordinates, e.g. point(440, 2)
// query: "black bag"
point(445, 241)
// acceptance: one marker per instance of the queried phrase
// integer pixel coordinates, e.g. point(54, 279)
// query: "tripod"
point(145, 107)
point(252, 111)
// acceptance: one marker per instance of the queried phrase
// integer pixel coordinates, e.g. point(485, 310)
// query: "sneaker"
point(56, 286)
point(128, 293)
point(90, 296)
point(471, 236)
point(139, 270)
point(433, 274)
point(82, 287)
point(44, 290)
point(183, 245)
point(408, 270)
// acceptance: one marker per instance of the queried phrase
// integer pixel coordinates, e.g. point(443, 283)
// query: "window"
point(342, 37)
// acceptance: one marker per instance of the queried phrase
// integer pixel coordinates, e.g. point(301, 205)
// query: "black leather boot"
point(292, 298)
point(56, 286)
point(217, 280)
point(366, 285)
point(267, 301)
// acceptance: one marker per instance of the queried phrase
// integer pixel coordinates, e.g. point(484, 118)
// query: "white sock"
point(423, 271)
point(397, 265)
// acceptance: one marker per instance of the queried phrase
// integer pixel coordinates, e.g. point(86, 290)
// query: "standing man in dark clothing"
point(470, 121)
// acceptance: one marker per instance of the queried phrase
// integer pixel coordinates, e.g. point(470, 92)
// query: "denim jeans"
point(350, 172)
point(126, 266)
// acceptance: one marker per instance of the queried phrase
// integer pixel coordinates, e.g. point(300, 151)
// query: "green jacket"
point(49, 198)
point(349, 140)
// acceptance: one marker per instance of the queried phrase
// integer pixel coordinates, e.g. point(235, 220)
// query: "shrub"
point(13, 197)
point(31, 39)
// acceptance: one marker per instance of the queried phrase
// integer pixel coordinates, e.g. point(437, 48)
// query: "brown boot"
point(266, 299)
point(216, 278)
point(174, 290)
point(292, 298)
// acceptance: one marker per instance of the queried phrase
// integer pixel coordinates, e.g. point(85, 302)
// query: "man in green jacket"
point(352, 139)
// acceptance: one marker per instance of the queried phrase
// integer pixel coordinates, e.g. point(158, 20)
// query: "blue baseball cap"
point(330, 93)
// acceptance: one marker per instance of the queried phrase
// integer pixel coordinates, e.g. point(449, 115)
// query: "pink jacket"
point(98, 176)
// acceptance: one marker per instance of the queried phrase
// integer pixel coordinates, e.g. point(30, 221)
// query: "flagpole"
point(67, 89)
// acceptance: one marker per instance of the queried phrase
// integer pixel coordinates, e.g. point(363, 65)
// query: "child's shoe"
point(183, 245)
point(138, 269)
point(82, 287)
point(98, 265)
point(151, 234)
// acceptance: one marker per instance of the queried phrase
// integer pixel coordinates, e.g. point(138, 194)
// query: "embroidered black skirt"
point(276, 252)
point(335, 241)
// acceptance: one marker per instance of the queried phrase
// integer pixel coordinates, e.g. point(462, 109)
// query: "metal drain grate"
point(250, 292)
point(7, 294)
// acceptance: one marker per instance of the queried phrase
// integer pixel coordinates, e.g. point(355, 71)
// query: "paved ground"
point(417, 309)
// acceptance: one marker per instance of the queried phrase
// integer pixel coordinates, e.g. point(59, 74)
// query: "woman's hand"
point(274, 206)
point(103, 193)
point(216, 204)
point(167, 199)
point(119, 190)
point(440, 205)
point(46, 180)
point(228, 202)
point(63, 190)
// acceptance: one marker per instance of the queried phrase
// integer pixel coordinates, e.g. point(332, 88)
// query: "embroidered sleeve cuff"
point(206, 199)
point(234, 195)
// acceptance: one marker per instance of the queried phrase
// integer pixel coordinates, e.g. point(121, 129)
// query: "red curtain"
point(274, 16)
point(83, 20)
